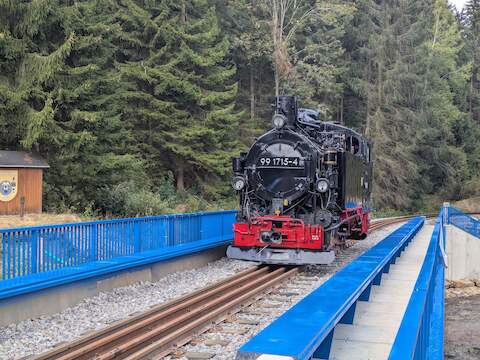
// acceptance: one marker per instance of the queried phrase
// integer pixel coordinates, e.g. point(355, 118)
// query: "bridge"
point(386, 304)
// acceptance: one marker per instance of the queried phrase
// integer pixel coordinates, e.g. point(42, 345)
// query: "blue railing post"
point(222, 216)
point(446, 213)
point(94, 243)
point(4, 256)
point(171, 231)
point(137, 238)
point(34, 251)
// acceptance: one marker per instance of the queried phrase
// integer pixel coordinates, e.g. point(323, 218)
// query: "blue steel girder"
point(420, 335)
point(307, 328)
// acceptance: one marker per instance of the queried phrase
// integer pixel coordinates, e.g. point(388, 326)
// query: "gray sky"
point(458, 3)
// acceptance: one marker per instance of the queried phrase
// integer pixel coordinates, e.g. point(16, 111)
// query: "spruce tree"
point(181, 91)
point(471, 21)
point(59, 99)
point(441, 164)
point(387, 80)
point(245, 24)
point(319, 63)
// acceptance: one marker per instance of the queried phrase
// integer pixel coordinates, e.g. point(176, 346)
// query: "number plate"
point(288, 162)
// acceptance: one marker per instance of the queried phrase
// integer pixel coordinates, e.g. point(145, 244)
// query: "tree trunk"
point(184, 12)
point(277, 82)
point(180, 176)
point(474, 94)
point(252, 94)
point(474, 101)
point(367, 106)
point(341, 111)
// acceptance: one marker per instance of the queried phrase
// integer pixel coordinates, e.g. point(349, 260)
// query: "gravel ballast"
point(37, 335)
point(40, 334)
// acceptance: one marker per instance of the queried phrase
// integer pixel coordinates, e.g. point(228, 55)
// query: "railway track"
point(375, 225)
point(158, 332)
point(161, 330)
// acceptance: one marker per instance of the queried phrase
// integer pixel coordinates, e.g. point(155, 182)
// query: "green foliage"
point(129, 200)
point(319, 61)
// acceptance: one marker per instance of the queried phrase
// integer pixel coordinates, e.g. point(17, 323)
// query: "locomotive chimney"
point(287, 106)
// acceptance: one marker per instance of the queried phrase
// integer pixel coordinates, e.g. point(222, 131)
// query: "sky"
point(458, 3)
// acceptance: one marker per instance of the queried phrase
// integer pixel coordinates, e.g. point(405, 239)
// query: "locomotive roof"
point(311, 117)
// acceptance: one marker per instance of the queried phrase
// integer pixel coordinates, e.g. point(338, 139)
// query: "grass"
point(14, 221)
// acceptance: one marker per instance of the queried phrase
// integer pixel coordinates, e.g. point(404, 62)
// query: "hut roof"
point(21, 159)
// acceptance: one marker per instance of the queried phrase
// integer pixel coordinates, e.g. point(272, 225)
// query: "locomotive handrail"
point(306, 329)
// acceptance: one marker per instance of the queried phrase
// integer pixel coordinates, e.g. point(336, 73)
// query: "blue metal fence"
point(31, 250)
point(420, 335)
point(463, 221)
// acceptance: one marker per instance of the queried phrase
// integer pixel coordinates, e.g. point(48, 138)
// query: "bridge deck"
point(377, 321)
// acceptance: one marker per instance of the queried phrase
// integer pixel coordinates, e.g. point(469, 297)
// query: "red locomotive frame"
point(293, 233)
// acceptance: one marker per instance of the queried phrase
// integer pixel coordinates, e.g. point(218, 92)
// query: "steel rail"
point(160, 330)
point(377, 224)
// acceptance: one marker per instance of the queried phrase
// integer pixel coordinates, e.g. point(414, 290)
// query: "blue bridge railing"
point(306, 330)
point(463, 221)
point(32, 250)
point(420, 335)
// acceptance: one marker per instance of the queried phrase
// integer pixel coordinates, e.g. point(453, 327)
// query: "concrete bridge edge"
point(53, 300)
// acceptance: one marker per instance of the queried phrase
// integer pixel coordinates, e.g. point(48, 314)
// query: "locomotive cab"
point(303, 188)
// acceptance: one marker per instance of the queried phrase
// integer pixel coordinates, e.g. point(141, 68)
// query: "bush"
point(128, 199)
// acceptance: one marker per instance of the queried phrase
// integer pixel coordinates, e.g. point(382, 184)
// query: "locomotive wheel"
point(338, 243)
point(358, 236)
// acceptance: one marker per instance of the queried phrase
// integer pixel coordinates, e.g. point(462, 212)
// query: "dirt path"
point(462, 327)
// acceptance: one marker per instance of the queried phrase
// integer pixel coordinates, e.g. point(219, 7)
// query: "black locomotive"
point(304, 187)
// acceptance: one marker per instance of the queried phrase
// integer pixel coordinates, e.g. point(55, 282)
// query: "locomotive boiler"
point(304, 188)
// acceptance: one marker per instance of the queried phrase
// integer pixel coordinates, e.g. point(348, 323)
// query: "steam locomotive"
point(304, 189)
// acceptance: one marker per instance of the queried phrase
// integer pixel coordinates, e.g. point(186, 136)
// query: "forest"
point(139, 105)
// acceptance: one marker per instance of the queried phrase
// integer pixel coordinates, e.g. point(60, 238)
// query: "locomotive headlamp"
point(279, 121)
point(238, 183)
point(322, 185)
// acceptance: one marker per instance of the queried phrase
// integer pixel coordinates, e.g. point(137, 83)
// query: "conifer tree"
point(185, 85)
point(392, 110)
point(319, 62)
point(441, 165)
point(61, 98)
point(471, 20)
point(245, 24)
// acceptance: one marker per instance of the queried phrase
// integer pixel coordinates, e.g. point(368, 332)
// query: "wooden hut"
point(21, 179)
